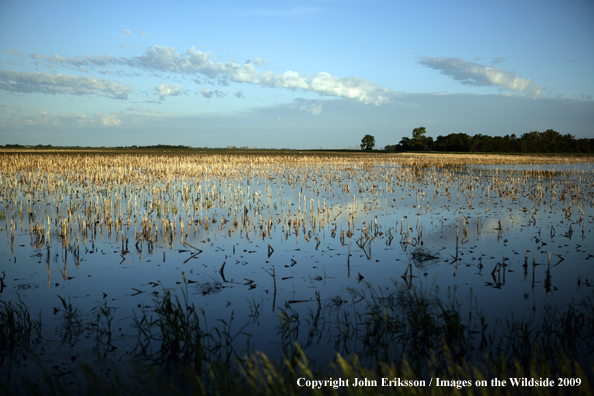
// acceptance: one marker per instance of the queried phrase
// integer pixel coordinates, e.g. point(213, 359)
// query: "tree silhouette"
point(368, 142)
point(419, 140)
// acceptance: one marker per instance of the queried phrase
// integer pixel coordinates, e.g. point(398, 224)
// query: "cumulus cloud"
point(42, 118)
point(200, 64)
point(48, 83)
point(165, 90)
point(310, 106)
point(239, 95)
point(260, 62)
point(126, 32)
point(80, 61)
point(325, 84)
point(207, 93)
point(76, 116)
point(470, 73)
point(108, 120)
point(497, 61)
point(13, 52)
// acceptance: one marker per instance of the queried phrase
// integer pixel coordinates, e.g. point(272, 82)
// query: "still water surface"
point(502, 248)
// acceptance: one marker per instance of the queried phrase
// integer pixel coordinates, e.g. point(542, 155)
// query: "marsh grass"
point(183, 334)
point(74, 197)
point(258, 375)
point(176, 328)
point(429, 332)
point(562, 327)
point(100, 325)
point(380, 326)
point(409, 333)
point(72, 316)
point(16, 327)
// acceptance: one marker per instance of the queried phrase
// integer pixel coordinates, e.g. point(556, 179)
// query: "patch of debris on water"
point(423, 258)
point(210, 287)
point(336, 301)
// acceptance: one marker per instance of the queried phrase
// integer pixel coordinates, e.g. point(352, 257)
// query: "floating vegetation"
point(422, 257)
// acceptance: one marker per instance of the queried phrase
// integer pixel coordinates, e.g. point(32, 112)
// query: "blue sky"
point(298, 74)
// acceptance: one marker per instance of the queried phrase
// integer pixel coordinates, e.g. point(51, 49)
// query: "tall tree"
point(368, 142)
point(419, 140)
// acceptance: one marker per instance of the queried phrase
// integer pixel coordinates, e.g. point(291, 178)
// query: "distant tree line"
point(26, 146)
point(549, 141)
point(162, 147)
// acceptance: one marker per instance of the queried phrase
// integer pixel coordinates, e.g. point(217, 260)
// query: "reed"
point(17, 328)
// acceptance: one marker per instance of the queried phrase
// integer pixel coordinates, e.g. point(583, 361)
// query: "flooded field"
point(340, 253)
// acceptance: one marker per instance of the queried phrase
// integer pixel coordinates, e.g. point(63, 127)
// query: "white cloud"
point(239, 95)
point(84, 60)
point(496, 61)
point(13, 52)
point(470, 73)
point(325, 84)
point(126, 32)
point(315, 109)
point(207, 93)
point(108, 120)
point(165, 90)
point(198, 63)
point(76, 116)
point(259, 62)
point(163, 59)
point(43, 118)
point(310, 106)
point(48, 83)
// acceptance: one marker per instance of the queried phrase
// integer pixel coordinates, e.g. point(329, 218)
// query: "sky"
point(305, 74)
